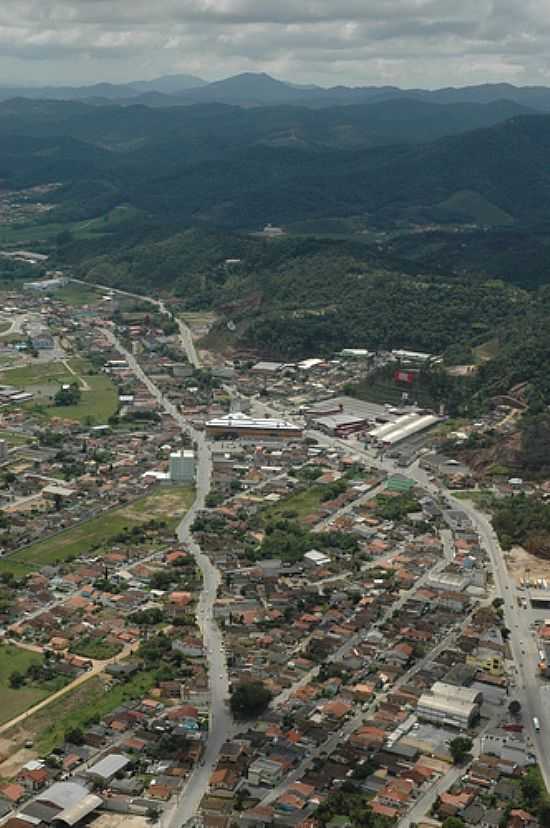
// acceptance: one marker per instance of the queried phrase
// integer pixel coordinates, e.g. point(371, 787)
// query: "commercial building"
point(448, 705)
point(238, 425)
point(182, 466)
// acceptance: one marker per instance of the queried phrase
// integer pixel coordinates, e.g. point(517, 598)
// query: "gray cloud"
point(405, 42)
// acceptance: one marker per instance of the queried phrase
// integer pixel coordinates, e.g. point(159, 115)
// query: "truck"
point(536, 723)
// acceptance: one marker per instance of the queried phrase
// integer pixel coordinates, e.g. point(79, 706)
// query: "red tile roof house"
point(12, 792)
point(33, 780)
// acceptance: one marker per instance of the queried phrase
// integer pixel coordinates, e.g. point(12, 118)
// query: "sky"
point(428, 43)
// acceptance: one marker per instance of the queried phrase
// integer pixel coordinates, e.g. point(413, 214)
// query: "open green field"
point(77, 295)
point(13, 438)
point(88, 229)
point(14, 702)
point(300, 505)
point(36, 373)
point(95, 406)
point(99, 398)
point(168, 503)
point(76, 709)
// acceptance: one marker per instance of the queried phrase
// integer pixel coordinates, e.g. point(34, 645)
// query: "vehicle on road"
point(536, 723)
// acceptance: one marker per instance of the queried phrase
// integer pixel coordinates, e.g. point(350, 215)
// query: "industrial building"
point(406, 426)
point(63, 802)
point(448, 705)
point(339, 424)
point(182, 466)
point(415, 357)
point(238, 425)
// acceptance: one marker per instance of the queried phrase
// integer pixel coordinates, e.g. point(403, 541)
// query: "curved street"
point(220, 720)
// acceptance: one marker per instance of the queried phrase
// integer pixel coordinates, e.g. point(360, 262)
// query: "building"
point(240, 426)
point(340, 424)
point(488, 660)
point(315, 558)
point(406, 426)
point(448, 705)
point(182, 466)
point(107, 768)
point(63, 802)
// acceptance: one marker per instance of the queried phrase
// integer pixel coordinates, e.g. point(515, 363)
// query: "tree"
point(453, 822)
point(16, 680)
point(74, 736)
point(514, 708)
point(249, 699)
point(68, 395)
point(460, 747)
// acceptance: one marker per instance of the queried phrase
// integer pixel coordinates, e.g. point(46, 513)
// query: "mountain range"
point(260, 89)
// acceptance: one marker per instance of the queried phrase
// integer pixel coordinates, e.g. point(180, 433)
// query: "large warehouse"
point(63, 802)
point(408, 425)
point(239, 425)
point(446, 704)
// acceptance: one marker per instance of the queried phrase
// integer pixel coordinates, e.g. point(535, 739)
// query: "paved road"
point(185, 334)
point(220, 722)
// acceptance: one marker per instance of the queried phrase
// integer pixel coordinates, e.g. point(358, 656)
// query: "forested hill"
point(237, 168)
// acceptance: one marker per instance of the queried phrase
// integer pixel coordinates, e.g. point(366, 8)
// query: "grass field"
point(76, 709)
point(96, 404)
point(14, 702)
point(12, 438)
point(170, 504)
point(37, 373)
point(88, 229)
point(301, 504)
point(77, 295)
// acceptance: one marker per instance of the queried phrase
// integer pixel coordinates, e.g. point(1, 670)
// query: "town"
point(232, 593)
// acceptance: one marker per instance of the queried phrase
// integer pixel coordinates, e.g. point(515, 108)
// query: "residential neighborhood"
point(233, 594)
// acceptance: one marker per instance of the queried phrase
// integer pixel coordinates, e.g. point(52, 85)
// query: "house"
point(264, 771)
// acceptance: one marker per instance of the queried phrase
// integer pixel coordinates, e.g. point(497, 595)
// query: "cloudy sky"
point(426, 43)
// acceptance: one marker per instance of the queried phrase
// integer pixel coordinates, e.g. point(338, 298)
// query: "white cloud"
point(405, 42)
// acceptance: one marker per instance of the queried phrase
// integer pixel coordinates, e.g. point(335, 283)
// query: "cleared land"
point(91, 700)
point(169, 504)
point(297, 506)
point(16, 701)
point(77, 295)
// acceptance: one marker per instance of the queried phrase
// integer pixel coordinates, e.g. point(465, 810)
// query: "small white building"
point(316, 558)
point(182, 466)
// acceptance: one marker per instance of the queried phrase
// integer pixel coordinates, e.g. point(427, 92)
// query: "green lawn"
point(14, 702)
point(167, 503)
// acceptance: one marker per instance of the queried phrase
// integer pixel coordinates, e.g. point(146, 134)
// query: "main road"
point(220, 720)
